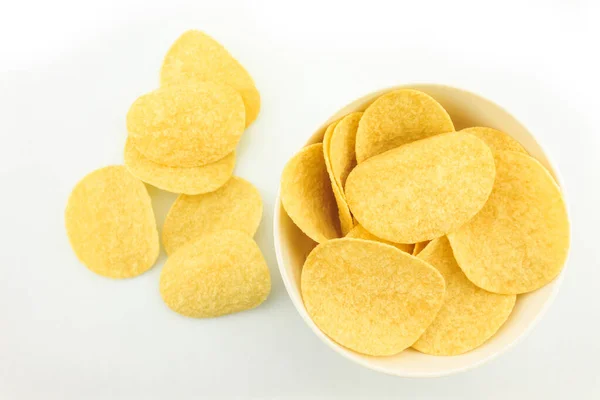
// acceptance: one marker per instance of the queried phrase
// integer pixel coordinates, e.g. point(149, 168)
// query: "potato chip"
point(419, 247)
point(469, 316)
point(219, 273)
point(497, 140)
point(111, 225)
point(236, 205)
point(358, 232)
point(346, 220)
point(423, 189)
point(187, 126)
point(398, 118)
point(368, 296)
point(307, 195)
point(342, 153)
point(519, 241)
point(195, 56)
point(190, 180)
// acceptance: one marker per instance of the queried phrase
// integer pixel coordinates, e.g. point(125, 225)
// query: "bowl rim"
point(346, 353)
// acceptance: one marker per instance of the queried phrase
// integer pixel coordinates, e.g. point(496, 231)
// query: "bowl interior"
point(292, 246)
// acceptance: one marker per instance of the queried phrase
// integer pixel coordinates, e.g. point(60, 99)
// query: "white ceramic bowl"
point(292, 246)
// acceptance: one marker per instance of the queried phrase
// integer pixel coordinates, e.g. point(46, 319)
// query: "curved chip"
point(358, 232)
point(469, 316)
point(519, 241)
point(195, 56)
point(190, 180)
point(111, 225)
point(423, 189)
point(368, 296)
point(342, 153)
point(307, 195)
point(236, 205)
point(187, 125)
point(419, 247)
point(497, 140)
point(398, 118)
point(217, 274)
point(346, 220)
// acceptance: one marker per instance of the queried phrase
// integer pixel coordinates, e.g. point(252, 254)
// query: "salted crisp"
point(346, 220)
point(111, 225)
point(197, 57)
point(370, 297)
point(307, 195)
point(469, 316)
point(519, 241)
point(187, 125)
point(342, 148)
point(495, 139)
point(217, 274)
point(186, 180)
point(422, 190)
point(397, 118)
point(236, 205)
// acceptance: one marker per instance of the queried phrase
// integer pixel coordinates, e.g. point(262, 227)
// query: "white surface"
point(68, 72)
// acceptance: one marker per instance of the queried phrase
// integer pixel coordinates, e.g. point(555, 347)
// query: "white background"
point(69, 71)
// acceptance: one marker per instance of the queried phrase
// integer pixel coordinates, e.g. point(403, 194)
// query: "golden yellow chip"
point(398, 118)
point(423, 189)
point(346, 220)
point(219, 273)
point(519, 241)
point(307, 195)
point(497, 140)
point(236, 205)
point(419, 247)
point(111, 225)
point(368, 296)
point(469, 316)
point(190, 180)
point(358, 232)
point(187, 125)
point(195, 56)
point(342, 153)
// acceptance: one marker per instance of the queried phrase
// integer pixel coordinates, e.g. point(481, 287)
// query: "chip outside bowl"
point(292, 246)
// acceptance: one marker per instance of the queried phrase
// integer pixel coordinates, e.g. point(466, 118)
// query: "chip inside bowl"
point(307, 195)
point(495, 139)
point(346, 220)
point(422, 190)
point(342, 148)
point(397, 118)
point(368, 296)
point(358, 232)
point(519, 241)
point(469, 316)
